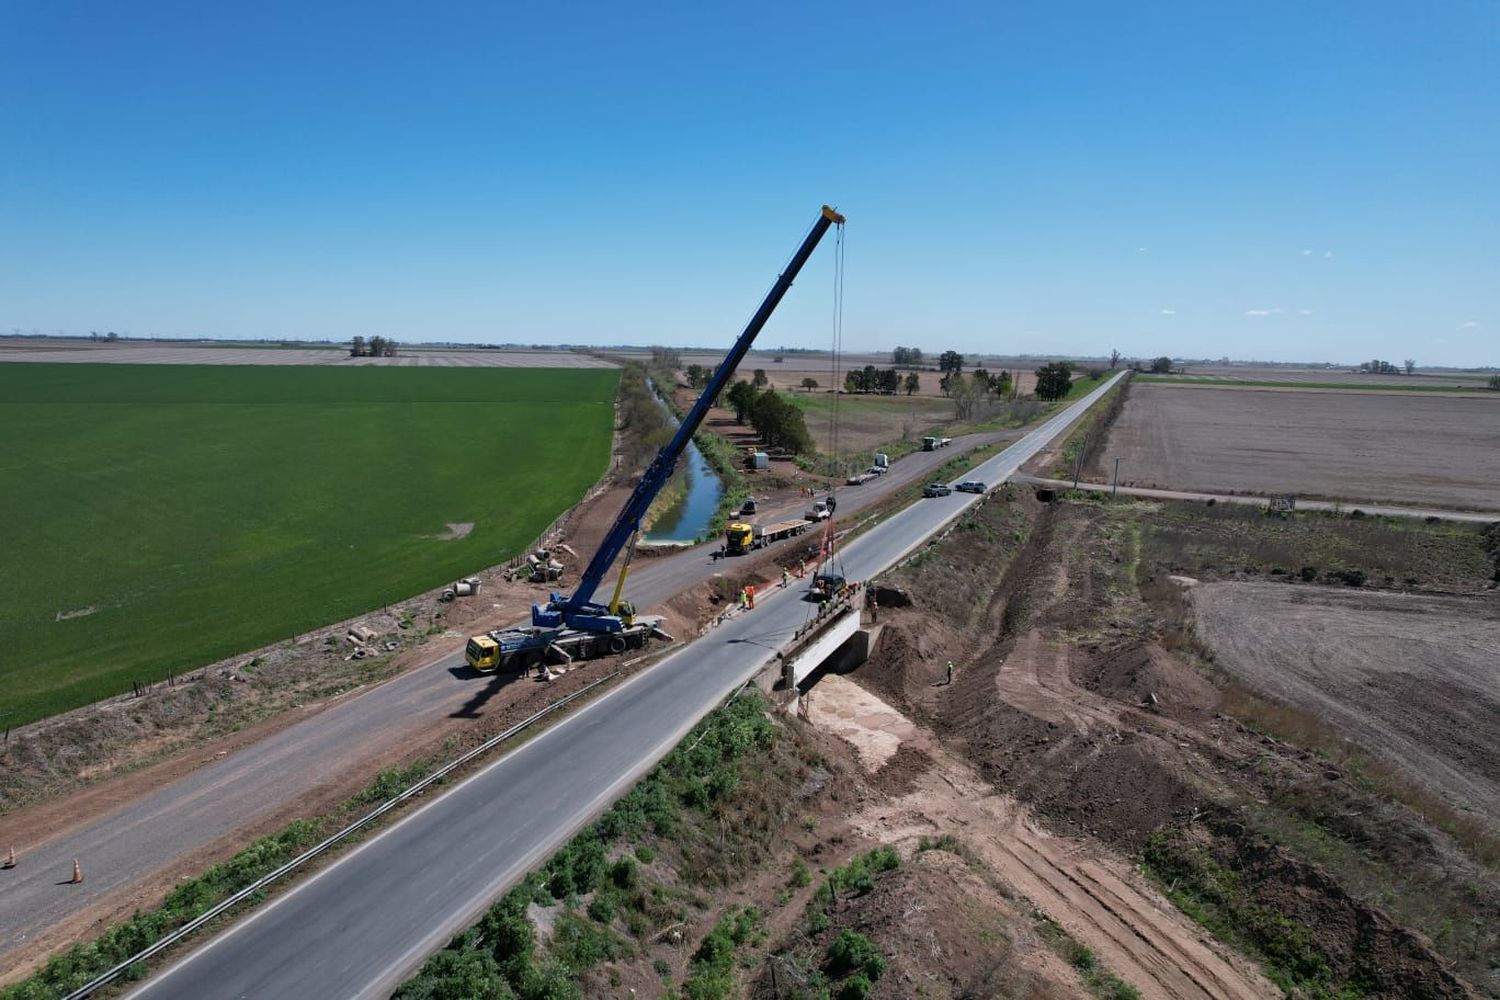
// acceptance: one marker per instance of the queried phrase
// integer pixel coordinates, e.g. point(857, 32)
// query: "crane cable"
point(826, 555)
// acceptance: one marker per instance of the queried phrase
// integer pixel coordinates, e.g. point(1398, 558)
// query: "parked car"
point(936, 490)
point(971, 486)
point(748, 507)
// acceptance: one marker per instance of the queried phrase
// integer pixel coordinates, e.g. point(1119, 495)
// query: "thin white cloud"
point(1141, 250)
point(1327, 254)
point(1274, 311)
point(1169, 312)
point(1304, 312)
point(1307, 253)
point(1468, 324)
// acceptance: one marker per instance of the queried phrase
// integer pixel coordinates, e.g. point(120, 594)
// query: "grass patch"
point(701, 812)
point(1098, 980)
point(164, 517)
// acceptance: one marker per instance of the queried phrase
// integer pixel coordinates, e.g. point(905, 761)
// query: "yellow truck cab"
point(739, 537)
point(482, 652)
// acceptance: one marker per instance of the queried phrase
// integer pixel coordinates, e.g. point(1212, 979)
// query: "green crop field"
point(157, 518)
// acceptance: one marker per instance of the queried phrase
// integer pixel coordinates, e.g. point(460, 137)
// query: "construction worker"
point(950, 672)
point(874, 609)
point(785, 577)
point(744, 599)
point(801, 568)
point(750, 597)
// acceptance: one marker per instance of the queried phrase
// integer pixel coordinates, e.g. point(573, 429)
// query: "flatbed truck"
point(740, 537)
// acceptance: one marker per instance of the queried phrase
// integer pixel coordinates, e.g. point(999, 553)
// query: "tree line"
point(779, 422)
point(886, 381)
point(375, 347)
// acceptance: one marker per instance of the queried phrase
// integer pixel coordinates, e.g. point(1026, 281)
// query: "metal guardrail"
point(167, 941)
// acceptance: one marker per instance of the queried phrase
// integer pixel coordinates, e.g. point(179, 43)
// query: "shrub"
point(856, 987)
point(623, 873)
point(853, 952)
point(800, 875)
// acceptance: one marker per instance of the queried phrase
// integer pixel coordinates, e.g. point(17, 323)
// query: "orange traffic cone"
point(77, 872)
point(10, 859)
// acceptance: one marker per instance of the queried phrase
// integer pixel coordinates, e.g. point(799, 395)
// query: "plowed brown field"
point(1412, 677)
point(1428, 450)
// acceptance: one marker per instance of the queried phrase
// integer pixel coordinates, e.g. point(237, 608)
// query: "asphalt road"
point(153, 833)
point(360, 926)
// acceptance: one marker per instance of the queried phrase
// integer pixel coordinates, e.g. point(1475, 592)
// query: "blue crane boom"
point(579, 610)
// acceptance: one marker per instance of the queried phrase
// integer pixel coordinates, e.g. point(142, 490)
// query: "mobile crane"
point(575, 626)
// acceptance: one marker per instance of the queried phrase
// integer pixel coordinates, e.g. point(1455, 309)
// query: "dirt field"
point(1431, 450)
point(1324, 375)
point(1077, 701)
point(1413, 677)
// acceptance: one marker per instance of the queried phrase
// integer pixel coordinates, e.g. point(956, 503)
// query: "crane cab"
point(482, 653)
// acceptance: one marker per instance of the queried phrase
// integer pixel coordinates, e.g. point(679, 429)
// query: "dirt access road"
point(1400, 448)
point(1412, 677)
point(139, 843)
point(1250, 500)
point(1092, 894)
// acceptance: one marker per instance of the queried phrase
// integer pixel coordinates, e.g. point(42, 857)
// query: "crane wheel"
point(617, 644)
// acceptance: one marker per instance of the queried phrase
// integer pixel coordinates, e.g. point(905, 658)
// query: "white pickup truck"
point(818, 512)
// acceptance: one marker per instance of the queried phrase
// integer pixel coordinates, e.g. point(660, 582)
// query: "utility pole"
point(1115, 490)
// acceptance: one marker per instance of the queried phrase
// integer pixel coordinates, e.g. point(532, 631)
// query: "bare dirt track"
point(1092, 894)
point(1412, 677)
point(1414, 449)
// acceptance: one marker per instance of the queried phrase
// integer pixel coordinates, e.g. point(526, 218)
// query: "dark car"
point(936, 490)
point(748, 507)
point(970, 486)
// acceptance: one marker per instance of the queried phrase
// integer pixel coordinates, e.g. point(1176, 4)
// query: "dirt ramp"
point(1146, 675)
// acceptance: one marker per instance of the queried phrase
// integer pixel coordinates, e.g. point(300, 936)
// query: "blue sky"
point(1280, 180)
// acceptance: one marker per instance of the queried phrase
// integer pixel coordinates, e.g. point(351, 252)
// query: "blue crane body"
point(576, 624)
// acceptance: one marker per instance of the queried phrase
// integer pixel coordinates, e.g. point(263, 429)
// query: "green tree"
point(759, 381)
point(913, 383)
point(1054, 380)
point(741, 395)
point(809, 384)
point(951, 361)
point(780, 423)
point(890, 381)
point(698, 376)
point(357, 348)
point(1494, 383)
point(1162, 365)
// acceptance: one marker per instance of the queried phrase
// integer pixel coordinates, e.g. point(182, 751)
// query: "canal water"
point(685, 520)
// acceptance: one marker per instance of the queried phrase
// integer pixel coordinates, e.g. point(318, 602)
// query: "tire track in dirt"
point(1094, 896)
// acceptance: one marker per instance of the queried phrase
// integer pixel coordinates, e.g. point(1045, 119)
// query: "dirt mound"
point(1144, 674)
point(908, 662)
point(944, 932)
point(1334, 940)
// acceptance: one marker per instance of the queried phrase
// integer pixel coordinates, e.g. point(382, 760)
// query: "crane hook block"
point(832, 216)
